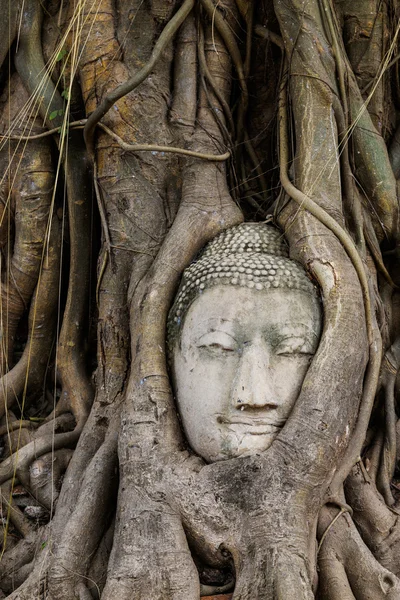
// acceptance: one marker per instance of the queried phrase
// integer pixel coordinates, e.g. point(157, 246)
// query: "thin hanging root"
point(269, 35)
point(375, 343)
point(341, 512)
point(30, 369)
point(122, 90)
point(128, 147)
point(156, 148)
point(106, 233)
point(231, 45)
point(49, 132)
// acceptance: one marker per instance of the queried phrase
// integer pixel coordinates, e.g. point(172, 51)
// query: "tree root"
point(48, 133)
point(34, 586)
point(347, 568)
point(32, 191)
point(228, 37)
point(15, 425)
point(156, 148)
point(379, 526)
point(22, 459)
point(207, 590)
point(219, 97)
point(10, 14)
point(269, 35)
point(71, 352)
point(97, 575)
point(30, 369)
point(17, 558)
point(233, 49)
point(374, 339)
point(266, 566)
point(14, 514)
point(82, 592)
point(31, 67)
point(45, 476)
point(184, 104)
point(73, 554)
point(17, 578)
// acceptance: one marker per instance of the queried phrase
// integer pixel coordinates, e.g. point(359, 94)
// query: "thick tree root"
point(71, 351)
point(26, 455)
point(83, 531)
point(379, 526)
point(32, 68)
point(19, 558)
point(45, 476)
point(348, 570)
point(32, 191)
point(30, 369)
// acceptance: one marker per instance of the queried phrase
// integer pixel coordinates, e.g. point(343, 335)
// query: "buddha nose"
point(253, 386)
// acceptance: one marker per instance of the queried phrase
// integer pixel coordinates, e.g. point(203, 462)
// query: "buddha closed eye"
point(241, 352)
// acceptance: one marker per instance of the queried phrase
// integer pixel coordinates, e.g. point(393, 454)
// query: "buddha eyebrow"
point(289, 334)
point(293, 330)
point(217, 320)
point(214, 330)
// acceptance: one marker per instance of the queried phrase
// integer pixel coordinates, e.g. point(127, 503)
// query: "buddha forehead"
point(252, 256)
point(243, 313)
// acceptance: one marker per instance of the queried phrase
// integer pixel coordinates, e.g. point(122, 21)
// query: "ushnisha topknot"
point(252, 255)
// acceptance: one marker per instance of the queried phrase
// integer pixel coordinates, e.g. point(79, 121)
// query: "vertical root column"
point(32, 192)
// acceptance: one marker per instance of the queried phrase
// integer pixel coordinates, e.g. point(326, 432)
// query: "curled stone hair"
point(251, 255)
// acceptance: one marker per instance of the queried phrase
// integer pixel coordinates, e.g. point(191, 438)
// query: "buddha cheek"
point(288, 376)
point(202, 389)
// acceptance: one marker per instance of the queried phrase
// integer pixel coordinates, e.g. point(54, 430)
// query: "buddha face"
point(239, 365)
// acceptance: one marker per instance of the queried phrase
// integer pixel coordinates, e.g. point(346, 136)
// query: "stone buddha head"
point(244, 326)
